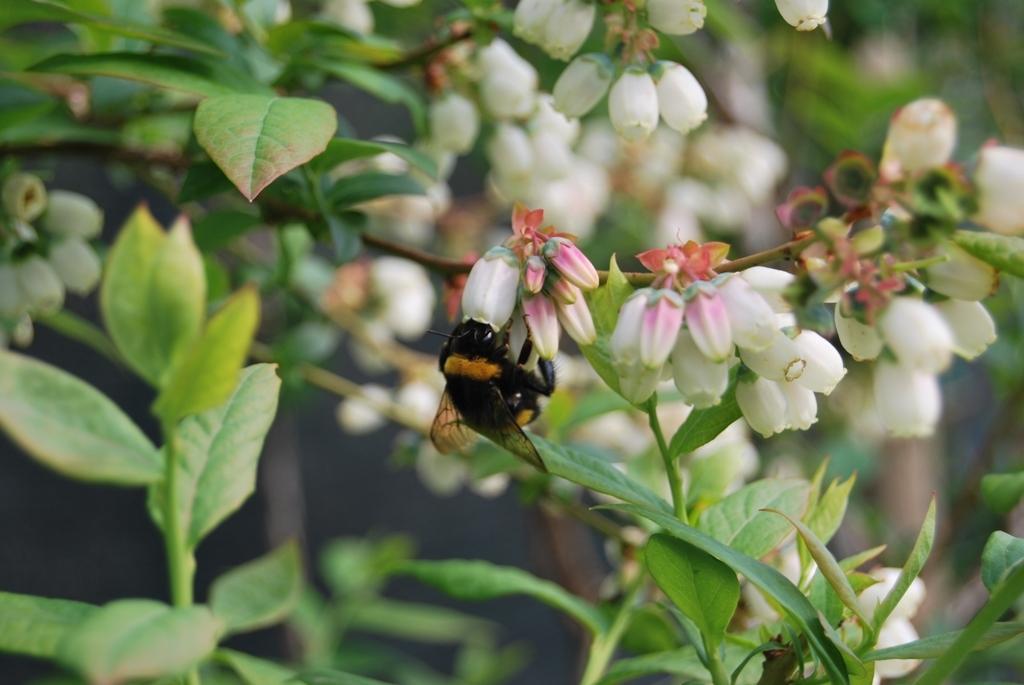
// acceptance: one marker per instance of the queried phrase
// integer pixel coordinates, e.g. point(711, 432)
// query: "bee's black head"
point(475, 339)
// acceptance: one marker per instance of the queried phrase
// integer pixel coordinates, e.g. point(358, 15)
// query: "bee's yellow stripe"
point(474, 368)
point(525, 416)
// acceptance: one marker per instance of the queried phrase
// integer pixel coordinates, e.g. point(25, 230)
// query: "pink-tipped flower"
point(542, 320)
point(570, 261)
point(563, 291)
point(751, 318)
point(491, 289)
point(708, 322)
point(576, 319)
point(662, 319)
point(763, 405)
point(625, 340)
point(534, 274)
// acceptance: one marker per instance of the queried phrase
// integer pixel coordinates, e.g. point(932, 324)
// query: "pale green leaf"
point(738, 520)
point(252, 670)
point(383, 86)
point(828, 512)
point(605, 303)
point(352, 190)
point(418, 622)
point(260, 593)
point(255, 139)
point(1002, 552)
point(153, 296)
point(207, 374)
point(217, 454)
point(341, 150)
point(1002, 491)
point(1004, 252)
point(911, 569)
point(71, 426)
point(682, 662)
point(323, 676)
point(34, 626)
point(478, 580)
point(936, 645)
point(133, 639)
point(703, 588)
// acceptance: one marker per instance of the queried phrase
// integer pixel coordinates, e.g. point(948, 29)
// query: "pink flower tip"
point(570, 261)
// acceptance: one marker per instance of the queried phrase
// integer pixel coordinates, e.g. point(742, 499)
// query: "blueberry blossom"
point(804, 15)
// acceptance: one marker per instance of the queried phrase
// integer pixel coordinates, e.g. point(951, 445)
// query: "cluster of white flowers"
point(48, 262)
point(356, 15)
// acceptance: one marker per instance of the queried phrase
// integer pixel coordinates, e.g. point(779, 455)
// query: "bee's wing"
point(510, 435)
point(448, 432)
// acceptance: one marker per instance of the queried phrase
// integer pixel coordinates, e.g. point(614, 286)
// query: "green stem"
point(602, 649)
point(675, 482)
point(719, 675)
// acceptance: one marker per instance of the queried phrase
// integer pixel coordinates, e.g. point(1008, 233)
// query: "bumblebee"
point(489, 391)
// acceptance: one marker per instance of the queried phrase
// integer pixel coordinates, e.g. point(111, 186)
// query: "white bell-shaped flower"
point(921, 136)
point(676, 17)
point(972, 326)
point(582, 84)
point(492, 287)
point(999, 179)
point(682, 102)
point(804, 15)
point(908, 401)
point(917, 334)
point(454, 123)
point(633, 104)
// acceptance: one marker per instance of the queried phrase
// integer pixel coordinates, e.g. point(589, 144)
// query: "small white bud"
point(860, 340)
point(567, 27)
point(354, 15)
point(895, 632)
point(801, 406)
point(492, 287)
point(972, 326)
point(805, 15)
point(77, 264)
point(701, 381)
point(359, 416)
point(454, 123)
point(12, 301)
point(676, 17)
point(872, 596)
point(547, 119)
point(72, 215)
point(908, 401)
point(633, 104)
point(824, 365)
point(508, 88)
point(921, 136)
point(917, 334)
point(42, 288)
point(531, 19)
point(681, 99)
point(510, 152)
point(582, 84)
point(750, 316)
point(1000, 182)
point(763, 405)
point(24, 196)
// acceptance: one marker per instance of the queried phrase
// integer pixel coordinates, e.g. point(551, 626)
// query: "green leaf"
point(205, 78)
point(1004, 252)
point(153, 295)
point(252, 670)
point(772, 583)
point(605, 303)
point(594, 473)
point(255, 139)
point(1002, 552)
point(325, 676)
point(34, 626)
point(138, 638)
point(71, 426)
point(478, 580)
point(740, 522)
point(204, 377)
point(1002, 598)
point(682, 662)
point(341, 150)
point(828, 512)
point(221, 226)
point(381, 85)
point(73, 326)
point(703, 425)
point(24, 11)
point(703, 588)
point(203, 180)
point(1002, 491)
point(260, 593)
point(911, 569)
point(217, 454)
point(417, 622)
point(351, 190)
point(935, 646)
point(827, 565)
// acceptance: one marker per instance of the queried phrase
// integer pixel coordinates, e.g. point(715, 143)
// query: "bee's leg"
point(544, 380)
point(524, 354)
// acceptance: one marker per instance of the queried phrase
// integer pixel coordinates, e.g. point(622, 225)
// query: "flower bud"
point(771, 284)
point(12, 301)
point(72, 215)
point(565, 292)
point(510, 152)
point(801, 406)
point(23, 332)
point(542, 322)
point(547, 119)
point(972, 326)
point(917, 334)
point(805, 15)
point(676, 17)
point(40, 285)
point(780, 361)
point(1000, 182)
point(633, 104)
point(962, 276)
point(552, 156)
point(582, 84)
point(908, 400)
point(508, 88)
point(860, 340)
point(750, 316)
point(360, 415)
point(405, 294)
point(873, 595)
point(895, 632)
point(571, 263)
point(491, 289)
point(419, 398)
point(662, 320)
point(851, 178)
point(681, 100)
point(576, 319)
point(567, 27)
point(701, 382)
point(24, 196)
point(454, 123)
point(534, 275)
point(76, 264)
point(824, 365)
point(531, 19)
point(763, 405)
point(625, 341)
point(708, 323)
point(921, 136)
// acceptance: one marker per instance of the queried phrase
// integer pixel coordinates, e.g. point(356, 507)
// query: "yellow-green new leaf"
point(206, 375)
point(35, 625)
point(153, 294)
point(260, 593)
point(255, 139)
point(72, 427)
